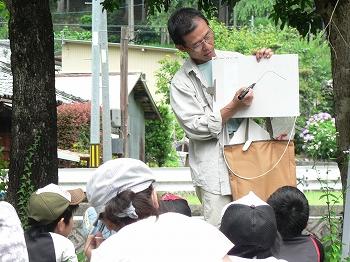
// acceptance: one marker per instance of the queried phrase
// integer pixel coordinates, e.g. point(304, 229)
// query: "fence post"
point(346, 226)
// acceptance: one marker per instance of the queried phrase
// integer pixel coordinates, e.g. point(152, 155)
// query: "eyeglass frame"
point(201, 43)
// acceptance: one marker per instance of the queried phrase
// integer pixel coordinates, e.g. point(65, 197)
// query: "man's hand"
point(263, 52)
point(228, 111)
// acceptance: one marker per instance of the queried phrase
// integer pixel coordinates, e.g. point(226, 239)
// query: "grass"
point(312, 196)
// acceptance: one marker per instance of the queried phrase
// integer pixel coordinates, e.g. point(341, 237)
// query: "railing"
point(179, 179)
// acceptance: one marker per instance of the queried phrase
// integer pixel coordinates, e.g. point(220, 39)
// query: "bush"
point(73, 125)
point(320, 137)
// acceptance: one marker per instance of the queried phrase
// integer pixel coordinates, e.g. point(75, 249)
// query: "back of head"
point(172, 203)
point(121, 191)
point(291, 209)
point(48, 203)
point(183, 22)
point(251, 225)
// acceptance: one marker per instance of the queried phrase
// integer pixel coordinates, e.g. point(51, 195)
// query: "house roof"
point(79, 84)
point(77, 87)
point(6, 79)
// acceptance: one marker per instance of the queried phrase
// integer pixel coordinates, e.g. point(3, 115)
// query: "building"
point(73, 83)
point(77, 56)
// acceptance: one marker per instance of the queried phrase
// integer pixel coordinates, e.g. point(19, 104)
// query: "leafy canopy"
point(300, 14)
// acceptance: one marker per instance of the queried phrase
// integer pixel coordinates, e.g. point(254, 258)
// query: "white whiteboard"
point(274, 96)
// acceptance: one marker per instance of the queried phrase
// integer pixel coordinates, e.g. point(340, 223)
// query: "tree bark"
point(34, 101)
point(335, 17)
point(60, 6)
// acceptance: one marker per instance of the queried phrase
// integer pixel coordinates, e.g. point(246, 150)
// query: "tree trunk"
point(60, 6)
point(223, 14)
point(335, 17)
point(34, 101)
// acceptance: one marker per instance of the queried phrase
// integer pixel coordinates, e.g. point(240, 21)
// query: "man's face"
point(199, 43)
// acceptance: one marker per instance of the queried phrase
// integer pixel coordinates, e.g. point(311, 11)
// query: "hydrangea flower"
point(320, 137)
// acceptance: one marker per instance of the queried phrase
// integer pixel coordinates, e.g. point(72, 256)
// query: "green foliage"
point(300, 14)
point(81, 256)
point(258, 8)
point(332, 239)
point(3, 177)
point(161, 18)
point(158, 138)
point(86, 20)
point(164, 75)
point(73, 125)
point(26, 187)
point(72, 33)
point(320, 137)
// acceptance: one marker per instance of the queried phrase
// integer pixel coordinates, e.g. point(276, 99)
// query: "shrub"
point(320, 137)
point(73, 125)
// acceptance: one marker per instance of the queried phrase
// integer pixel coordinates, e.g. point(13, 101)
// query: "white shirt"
point(193, 107)
point(12, 243)
point(64, 248)
point(173, 238)
point(269, 259)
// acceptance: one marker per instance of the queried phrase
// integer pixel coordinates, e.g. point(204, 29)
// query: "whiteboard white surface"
point(276, 94)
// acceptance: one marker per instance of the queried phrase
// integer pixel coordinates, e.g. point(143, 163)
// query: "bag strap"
point(285, 150)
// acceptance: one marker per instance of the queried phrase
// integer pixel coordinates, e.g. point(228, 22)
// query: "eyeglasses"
point(209, 38)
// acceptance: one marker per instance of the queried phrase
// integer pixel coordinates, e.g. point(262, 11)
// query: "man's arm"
point(228, 111)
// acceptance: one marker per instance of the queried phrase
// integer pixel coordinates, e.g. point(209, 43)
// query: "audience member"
point(171, 203)
point(12, 243)
point(50, 215)
point(122, 193)
point(250, 224)
point(92, 225)
point(292, 215)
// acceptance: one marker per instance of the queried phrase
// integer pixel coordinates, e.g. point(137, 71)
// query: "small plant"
point(320, 137)
point(332, 241)
point(26, 188)
point(81, 257)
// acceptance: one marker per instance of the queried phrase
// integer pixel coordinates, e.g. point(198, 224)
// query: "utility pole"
point(99, 61)
point(124, 42)
point(106, 114)
point(131, 22)
point(95, 87)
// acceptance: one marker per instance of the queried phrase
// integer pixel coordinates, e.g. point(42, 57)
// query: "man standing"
point(192, 104)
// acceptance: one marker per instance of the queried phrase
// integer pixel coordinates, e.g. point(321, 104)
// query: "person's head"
point(171, 203)
point(121, 191)
point(51, 209)
point(291, 209)
point(250, 224)
point(191, 33)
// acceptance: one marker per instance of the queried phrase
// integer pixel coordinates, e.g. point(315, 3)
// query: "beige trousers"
point(212, 205)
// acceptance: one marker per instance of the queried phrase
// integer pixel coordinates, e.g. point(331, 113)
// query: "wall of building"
point(76, 58)
point(136, 129)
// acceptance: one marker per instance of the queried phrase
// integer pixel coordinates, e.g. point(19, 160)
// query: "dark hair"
point(252, 251)
point(291, 210)
point(36, 228)
point(183, 22)
point(141, 201)
point(177, 205)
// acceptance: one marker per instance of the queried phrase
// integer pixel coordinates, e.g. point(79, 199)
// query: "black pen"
point(242, 95)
